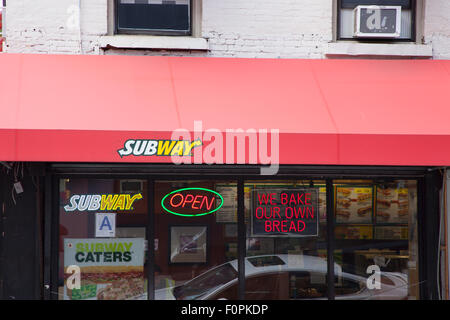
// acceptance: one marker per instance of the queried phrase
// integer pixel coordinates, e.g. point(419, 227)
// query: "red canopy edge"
point(329, 149)
point(60, 108)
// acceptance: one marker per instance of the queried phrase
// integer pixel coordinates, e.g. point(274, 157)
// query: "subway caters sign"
point(290, 212)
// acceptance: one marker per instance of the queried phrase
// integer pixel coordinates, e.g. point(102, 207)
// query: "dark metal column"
point(150, 262)
point(330, 240)
point(47, 235)
point(241, 239)
point(428, 222)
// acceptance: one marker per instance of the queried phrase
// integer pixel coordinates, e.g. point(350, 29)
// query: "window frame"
point(427, 184)
point(414, 24)
point(154, 32)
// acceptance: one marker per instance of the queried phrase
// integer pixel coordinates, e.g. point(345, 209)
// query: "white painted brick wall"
point(437, 27)
point(234, 28)
point(51, 26)
point(267, 28)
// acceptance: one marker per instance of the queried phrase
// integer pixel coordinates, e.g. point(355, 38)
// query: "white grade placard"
point(105, 225)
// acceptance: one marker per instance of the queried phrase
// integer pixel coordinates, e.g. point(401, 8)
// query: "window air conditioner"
point(377, 21)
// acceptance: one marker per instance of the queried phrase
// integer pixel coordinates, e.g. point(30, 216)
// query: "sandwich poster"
point(354, 204)
point(392, 205)
point(110, 269)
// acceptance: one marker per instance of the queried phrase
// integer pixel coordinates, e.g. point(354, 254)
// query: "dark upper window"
point(379, 23)
point(159, 17)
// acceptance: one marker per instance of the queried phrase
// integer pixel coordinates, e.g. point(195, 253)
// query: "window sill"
point(153, 42)
point(350, 48)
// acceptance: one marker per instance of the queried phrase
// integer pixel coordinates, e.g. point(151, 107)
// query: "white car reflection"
point(284, 277)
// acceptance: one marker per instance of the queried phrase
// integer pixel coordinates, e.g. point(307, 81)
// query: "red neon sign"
point(285, 212)
point(190, 201)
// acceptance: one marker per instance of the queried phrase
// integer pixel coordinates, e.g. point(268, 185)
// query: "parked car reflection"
point(284, 277)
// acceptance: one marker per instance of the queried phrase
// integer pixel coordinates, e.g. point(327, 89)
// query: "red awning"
point(343, 112)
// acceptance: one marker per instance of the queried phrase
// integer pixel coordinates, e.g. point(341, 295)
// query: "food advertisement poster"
point(110, 269)
point(354, 204)
point(392, 205)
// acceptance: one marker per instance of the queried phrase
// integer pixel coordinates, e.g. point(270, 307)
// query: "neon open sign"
point(192, 202)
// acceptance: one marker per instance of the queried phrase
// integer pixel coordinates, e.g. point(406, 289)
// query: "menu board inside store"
point(354, 204)
point(392, 205)
point(373, 212)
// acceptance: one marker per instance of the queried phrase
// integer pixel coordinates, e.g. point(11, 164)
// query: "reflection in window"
point(345, 286)
point(307, 285)
point(376, 238)
point(206, 283)
point(266, 261)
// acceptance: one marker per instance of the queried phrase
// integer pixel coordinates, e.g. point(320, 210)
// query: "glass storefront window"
point(102, 228)
point(376, 239)
point(286, 240)
point(196, 257)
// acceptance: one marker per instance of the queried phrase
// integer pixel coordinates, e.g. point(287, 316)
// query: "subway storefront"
point(213, 179)
point(231, 234)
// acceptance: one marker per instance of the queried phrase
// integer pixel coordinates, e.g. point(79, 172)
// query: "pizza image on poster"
point(354, 204)
point(110, 269)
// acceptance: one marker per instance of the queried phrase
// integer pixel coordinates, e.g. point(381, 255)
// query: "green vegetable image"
point(85, 292)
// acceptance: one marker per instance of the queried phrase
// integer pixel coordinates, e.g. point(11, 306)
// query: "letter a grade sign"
point(105, 225)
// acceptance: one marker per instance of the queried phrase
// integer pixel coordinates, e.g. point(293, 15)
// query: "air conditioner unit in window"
point(377, 21)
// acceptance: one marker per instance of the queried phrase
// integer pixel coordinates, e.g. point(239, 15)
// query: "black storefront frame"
point(428, 185)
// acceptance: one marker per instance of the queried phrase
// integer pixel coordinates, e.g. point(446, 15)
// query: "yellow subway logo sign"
point(141, 147)
point(102, 202)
